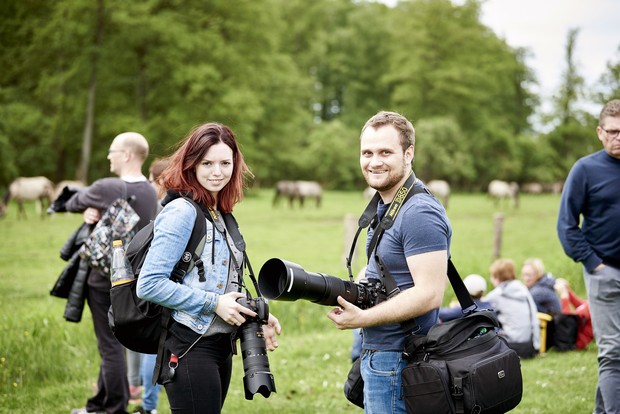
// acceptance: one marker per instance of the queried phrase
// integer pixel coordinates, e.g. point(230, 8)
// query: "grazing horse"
point(441, 190)
point(310, 189)
point(299, 190)
point(25, 189)
point(502, 190)
point(285, 189)
point(533, 188)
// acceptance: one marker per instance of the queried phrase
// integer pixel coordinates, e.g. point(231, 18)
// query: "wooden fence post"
point(498, 220)
point(350, 227)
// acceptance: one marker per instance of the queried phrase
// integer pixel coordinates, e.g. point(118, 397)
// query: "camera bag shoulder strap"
point(467, 304)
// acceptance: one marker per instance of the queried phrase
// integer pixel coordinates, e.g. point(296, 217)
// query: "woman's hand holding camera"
point(232, 311)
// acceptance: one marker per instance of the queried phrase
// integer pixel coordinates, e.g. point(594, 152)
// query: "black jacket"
point(71, 283)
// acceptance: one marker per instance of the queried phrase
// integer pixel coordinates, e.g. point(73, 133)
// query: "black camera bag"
point(462, 366)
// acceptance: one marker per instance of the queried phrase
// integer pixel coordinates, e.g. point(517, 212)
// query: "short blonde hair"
point(503, 270)
point(537, 265)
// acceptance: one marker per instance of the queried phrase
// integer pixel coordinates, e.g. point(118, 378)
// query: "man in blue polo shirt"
point(415, 250)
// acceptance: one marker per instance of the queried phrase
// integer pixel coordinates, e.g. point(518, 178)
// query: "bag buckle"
point(457, 388)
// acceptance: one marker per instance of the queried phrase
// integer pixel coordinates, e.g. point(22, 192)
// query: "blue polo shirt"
point(421, 226)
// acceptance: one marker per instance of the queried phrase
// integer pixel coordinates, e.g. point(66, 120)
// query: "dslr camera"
point(257, 376)
point(282, 280)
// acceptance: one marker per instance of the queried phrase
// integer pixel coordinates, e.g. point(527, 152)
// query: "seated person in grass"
point(515, 309)
point(476, 286)
point(541, 285)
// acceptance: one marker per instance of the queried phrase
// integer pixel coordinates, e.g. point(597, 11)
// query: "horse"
point(502, 190)
point(441, 190)
point(25, 189)
point(285, 189)
point(310, 189)
point(533, 188)
point(299, 190)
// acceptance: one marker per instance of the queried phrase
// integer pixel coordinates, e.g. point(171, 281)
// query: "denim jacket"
point(193, 302)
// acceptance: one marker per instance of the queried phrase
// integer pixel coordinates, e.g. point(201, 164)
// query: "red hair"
point(180, 175)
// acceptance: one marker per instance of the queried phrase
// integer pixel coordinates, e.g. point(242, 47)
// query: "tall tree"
point(445, 63)
point(573, 135)
point(609, 83)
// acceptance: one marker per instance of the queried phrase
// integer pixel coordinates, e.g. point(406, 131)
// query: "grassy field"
point(48, 365)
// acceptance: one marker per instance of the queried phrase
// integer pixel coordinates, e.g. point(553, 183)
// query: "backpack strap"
point(198, 232)
point(177, 275)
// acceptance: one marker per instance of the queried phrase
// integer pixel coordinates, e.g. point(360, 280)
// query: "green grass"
point(48, 365)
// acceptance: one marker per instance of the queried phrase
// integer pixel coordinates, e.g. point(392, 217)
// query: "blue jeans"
point(604, 295)
point(151, 392)
point(381, 371)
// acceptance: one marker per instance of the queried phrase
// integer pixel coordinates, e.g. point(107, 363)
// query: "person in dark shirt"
point(127, 153)
point(541, 286)
point(589, 230)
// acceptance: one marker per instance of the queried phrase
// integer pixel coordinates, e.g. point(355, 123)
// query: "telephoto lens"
point(258, 377)
point(283, 280)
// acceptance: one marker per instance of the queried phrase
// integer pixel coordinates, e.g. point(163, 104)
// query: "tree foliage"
point(295, 79)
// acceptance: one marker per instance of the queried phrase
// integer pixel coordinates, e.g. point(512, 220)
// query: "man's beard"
point(392, 180)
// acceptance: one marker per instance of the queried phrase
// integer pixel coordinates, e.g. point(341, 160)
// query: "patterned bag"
point(117, 223)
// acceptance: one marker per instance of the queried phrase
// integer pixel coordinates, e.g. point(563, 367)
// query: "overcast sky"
point(542, 26)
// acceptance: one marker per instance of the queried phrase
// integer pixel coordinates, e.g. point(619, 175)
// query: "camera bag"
point(462, 366)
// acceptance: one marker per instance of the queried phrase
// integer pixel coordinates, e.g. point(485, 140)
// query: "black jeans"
point(112, 385)
point(202, 377)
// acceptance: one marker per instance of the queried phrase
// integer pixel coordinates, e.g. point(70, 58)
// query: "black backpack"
point(138, 324)
point(565, 328)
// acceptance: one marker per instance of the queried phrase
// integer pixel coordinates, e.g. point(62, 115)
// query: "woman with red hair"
point(209, 168)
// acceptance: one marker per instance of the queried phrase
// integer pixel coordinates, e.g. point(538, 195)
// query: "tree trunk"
point(87, 138)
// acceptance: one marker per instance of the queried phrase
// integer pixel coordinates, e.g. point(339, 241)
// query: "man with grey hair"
point(127, 154)
point(592, 192)
point(414, 249)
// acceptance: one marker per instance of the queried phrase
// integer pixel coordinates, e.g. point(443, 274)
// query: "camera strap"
point(230, 224)
point(369, 218)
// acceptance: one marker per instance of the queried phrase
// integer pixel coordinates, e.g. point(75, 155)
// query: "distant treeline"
point(295, 79)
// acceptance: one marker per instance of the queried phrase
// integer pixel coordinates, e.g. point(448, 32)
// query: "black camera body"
point(283, 280)
point(375, 293)
point(258, 377)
